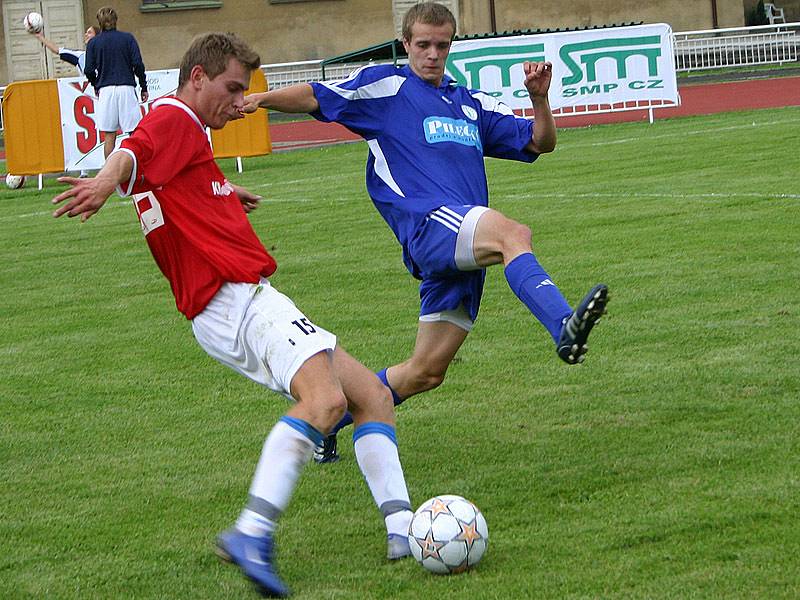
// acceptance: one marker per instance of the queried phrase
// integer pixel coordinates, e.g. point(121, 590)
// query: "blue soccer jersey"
point(426, 143)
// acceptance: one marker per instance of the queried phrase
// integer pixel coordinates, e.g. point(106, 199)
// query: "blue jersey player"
point(427, 139)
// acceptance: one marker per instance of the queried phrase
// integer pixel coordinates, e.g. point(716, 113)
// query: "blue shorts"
point(440, 253)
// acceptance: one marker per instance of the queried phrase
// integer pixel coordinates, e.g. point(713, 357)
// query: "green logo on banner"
point(466, 67)
point(619, 50)
point(581, 59)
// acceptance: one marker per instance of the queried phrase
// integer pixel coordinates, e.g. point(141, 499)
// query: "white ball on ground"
point(14, 182)
point(448, 535)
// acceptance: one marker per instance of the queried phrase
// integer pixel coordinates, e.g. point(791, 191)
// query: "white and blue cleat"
point(397, 546)
point(253, 555)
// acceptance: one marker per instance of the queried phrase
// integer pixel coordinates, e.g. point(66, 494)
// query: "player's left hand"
point(537, 77)
point(85, 197)
point(248, 199)
point(145, 96)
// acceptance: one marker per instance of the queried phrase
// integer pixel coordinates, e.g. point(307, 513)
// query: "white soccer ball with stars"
point(448, 534)
point(33, 22)
point(14, 182)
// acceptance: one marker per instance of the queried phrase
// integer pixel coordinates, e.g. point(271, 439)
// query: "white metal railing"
point(285, 74)
point(736, 46)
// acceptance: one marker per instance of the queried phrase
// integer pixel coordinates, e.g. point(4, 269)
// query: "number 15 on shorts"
point(305, 326)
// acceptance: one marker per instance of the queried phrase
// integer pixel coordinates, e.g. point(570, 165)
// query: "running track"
point(701, 99)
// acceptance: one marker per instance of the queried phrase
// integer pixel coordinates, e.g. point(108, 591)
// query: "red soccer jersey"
point(192, 219)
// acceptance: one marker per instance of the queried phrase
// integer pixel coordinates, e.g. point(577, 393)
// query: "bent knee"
point(517, 235)
point(372, 402)
point(336, 406)
point(426, 379)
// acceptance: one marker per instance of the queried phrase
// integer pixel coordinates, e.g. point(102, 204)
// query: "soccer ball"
point(448, 534)
point(14, 182)
point(33, 22)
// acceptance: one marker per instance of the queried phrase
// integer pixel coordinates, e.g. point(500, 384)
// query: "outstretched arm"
point(537, 82)
point(297, 98)
point(87, 196)
point(46, 43)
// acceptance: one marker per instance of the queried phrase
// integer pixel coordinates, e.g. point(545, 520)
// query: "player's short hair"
point(107, 18)
point(212, 51)
point(96, 29)
point(427, 13)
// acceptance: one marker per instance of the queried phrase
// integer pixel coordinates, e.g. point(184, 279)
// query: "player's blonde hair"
point(427, 13)
point(212, 51)
point(107, 18)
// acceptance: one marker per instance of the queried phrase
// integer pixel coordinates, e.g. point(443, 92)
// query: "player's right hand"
point(251, 104)
point(85, 197)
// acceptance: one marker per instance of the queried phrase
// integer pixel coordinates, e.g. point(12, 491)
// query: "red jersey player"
point(194, 221)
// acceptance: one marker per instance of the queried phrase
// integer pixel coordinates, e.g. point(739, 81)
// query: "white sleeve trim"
point(383, 88)
point(129, 190)
point(492, 104)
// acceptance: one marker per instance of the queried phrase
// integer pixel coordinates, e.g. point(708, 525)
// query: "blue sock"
point(529, 281)
point(347, 419)
point(382, 376)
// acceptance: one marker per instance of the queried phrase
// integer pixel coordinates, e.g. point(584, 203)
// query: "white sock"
point(253, 524)
point(398, 522)
point(286, 451)
point(376, 452)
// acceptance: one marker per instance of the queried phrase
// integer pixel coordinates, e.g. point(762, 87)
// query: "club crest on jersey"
point(221, 189)
point(471, 113)
point(444, 129)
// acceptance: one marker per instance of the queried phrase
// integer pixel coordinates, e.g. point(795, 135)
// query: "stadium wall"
point(334, 28)
point(279, 32)
point(294, 30)
point(680, 14)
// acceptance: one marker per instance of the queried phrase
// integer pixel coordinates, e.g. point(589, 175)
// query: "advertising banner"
point(83, 146)
point(593, 67)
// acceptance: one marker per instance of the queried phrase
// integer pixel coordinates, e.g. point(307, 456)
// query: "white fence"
point(285, 74)
point(694, 50)
point(736, 47)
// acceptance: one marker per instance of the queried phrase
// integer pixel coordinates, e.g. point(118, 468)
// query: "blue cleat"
point(571, 345)
point(253, 555)
point(397, 547)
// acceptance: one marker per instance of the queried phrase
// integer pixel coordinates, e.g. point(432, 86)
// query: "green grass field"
point(666, 466)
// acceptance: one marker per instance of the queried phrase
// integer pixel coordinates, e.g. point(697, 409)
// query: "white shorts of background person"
point(117, 108)
point(260, 333)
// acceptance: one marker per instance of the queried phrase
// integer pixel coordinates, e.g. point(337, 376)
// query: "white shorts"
point(117, 108)
point(259, 332)
point(458, 317)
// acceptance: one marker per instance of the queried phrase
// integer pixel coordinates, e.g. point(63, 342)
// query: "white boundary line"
point(622, 194)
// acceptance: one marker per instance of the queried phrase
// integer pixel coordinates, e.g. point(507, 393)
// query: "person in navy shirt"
point(112, 60)
point(427, 139)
